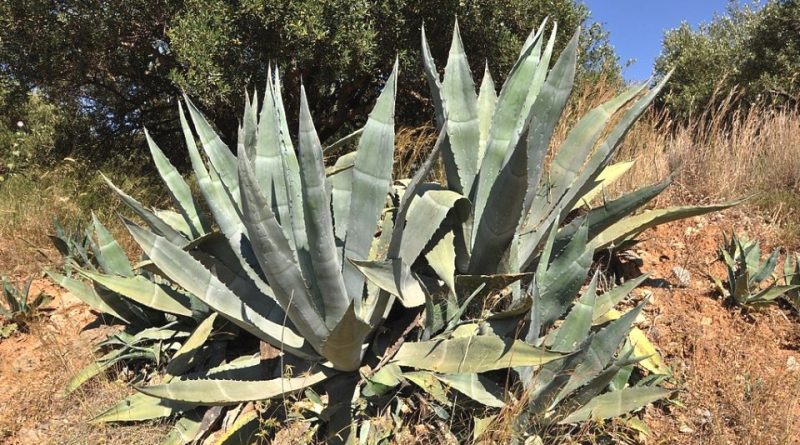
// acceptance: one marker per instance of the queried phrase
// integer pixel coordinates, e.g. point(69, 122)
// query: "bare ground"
point(739, 370)
point(34, 370)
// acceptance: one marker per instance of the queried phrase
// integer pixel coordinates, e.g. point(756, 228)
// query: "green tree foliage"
point(100, 61)
point(755, 48)
point(119, 65)
point(27, 129)
point(773, 64)
point(221, 48)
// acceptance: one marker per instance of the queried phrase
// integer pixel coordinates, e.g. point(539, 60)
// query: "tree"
point(343, 49)
point(27, 129)
point(120, 64)
point(99, 60)
point(753, 48)
point(773, 60)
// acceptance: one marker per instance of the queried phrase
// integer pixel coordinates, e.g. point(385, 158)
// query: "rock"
point(30, 435)
point(684, 428)
point(58, 320)
point(682, 275)
point(705, 321)
point(69, 299)
point(534, 440)
point(26, 363)
point(704, 415)
point(791, 364)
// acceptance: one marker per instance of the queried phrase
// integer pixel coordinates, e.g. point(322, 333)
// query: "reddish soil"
point(740, 371)
point(32, 366)
point(34, 369)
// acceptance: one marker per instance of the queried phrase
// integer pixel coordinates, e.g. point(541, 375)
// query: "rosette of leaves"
point(750, 281)
point(479, 257)
point(158, 319)
point(74, 244)
point(791, 277)
point(309, 261)
point(495, 154)
point(531, 224)
point(19, 311)
point(166, 332)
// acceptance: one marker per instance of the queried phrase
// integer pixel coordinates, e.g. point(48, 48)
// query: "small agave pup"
point(18, 312)
point(747, 275)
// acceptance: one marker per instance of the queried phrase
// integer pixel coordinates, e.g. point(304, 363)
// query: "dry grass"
point(70, 192)
point(727, 153)
point(52, 418)
point(412, 148)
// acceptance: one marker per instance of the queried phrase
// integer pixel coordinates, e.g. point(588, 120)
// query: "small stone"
point(58, 320)
point(791, 364)
point(682, 275)
point(69, 299)
point(685, 429)
point(705, 321)
point(534, 440)
point(30, 435)
point(26, 363)
point(704, 414)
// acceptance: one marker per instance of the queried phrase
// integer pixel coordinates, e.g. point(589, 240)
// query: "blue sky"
point(637, 26)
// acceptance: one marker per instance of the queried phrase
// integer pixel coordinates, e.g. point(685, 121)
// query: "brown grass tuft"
point(412, 148)
point(725, 154)
point(69, 192)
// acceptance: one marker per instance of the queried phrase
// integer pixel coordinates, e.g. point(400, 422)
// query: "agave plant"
point(791, 277)
point(495, 156)
point(532, 219)
point(19, 311)
point(74, 244)
point(747, 274)
point(297, 265)
point(157, 317)
point(337, 271)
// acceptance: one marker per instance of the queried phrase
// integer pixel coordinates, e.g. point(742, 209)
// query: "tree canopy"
point(114, 67)
point(754, 47)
